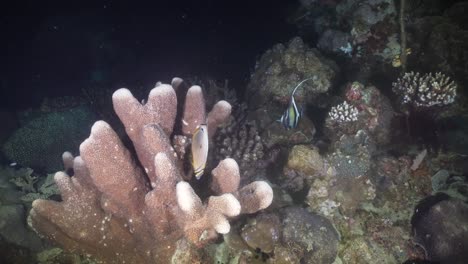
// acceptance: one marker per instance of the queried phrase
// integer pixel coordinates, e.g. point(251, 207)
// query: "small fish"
point(199, 150)
point(290, 118)
point(396, 61)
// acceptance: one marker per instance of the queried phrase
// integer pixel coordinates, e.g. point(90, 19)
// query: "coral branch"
point(226, 177)
point(122, 210)
point(192, 119)
point(218, 115)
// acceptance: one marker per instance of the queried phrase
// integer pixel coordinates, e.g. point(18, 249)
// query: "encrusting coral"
point(119, 210)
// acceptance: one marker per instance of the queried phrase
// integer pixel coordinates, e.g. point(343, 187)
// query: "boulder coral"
point(282, 67)
point(118, 207)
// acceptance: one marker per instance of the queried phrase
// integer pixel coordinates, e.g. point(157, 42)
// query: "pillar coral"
point(122, 210)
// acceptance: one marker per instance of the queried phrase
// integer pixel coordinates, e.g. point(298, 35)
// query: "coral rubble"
point(122, 210)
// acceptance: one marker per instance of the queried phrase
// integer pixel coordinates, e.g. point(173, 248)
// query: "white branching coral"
point(344, 112)
point(427, 90)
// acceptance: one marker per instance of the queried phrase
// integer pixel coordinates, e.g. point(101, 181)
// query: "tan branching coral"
point(423, 91)
point(122, 210)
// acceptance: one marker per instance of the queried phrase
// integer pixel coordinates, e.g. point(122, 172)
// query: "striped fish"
point(290, 118)
point(199, 150)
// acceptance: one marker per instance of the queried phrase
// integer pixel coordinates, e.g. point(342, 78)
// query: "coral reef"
point(343, 112)
point(215, 90)
point(263, 232)
point(303, 166)
point(274, 134)
point(373, 26)
point(9, 192)
point(362, 250)
point(422, 91)
point(367, 176)
point(16, 186)
point(281, 68)
point(289, 235)
point(25, 180)
point(439, 41)
point(352, 154)
point(33, 187)
point(13, 229)
point(41, 141)
point(120, 210)
point(363, 108)
point(335, 41)
point(369, 198)
point(306, 160)
point(363, 30)
point(268, 93)
point(241, 141)
point(325, 177)
point(238, 138)
point(451, 185)
point(348, 166)
point(443, 241)
point(312, 237)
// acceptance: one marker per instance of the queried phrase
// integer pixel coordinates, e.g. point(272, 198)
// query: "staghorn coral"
point(119, 210)
point(425, 91)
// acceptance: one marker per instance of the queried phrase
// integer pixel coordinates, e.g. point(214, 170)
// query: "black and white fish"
point(290, 117)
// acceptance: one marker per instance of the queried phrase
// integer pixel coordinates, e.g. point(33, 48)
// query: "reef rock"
point(263, 232)
point(442, 230)
point(282, 67)
point(363, 108)
point(439, 44)
point(312, 237)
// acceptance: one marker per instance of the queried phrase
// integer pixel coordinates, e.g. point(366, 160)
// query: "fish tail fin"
point(199, 172)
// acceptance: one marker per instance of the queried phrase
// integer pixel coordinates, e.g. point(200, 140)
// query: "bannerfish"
point(199, 150)
point(290, 118)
